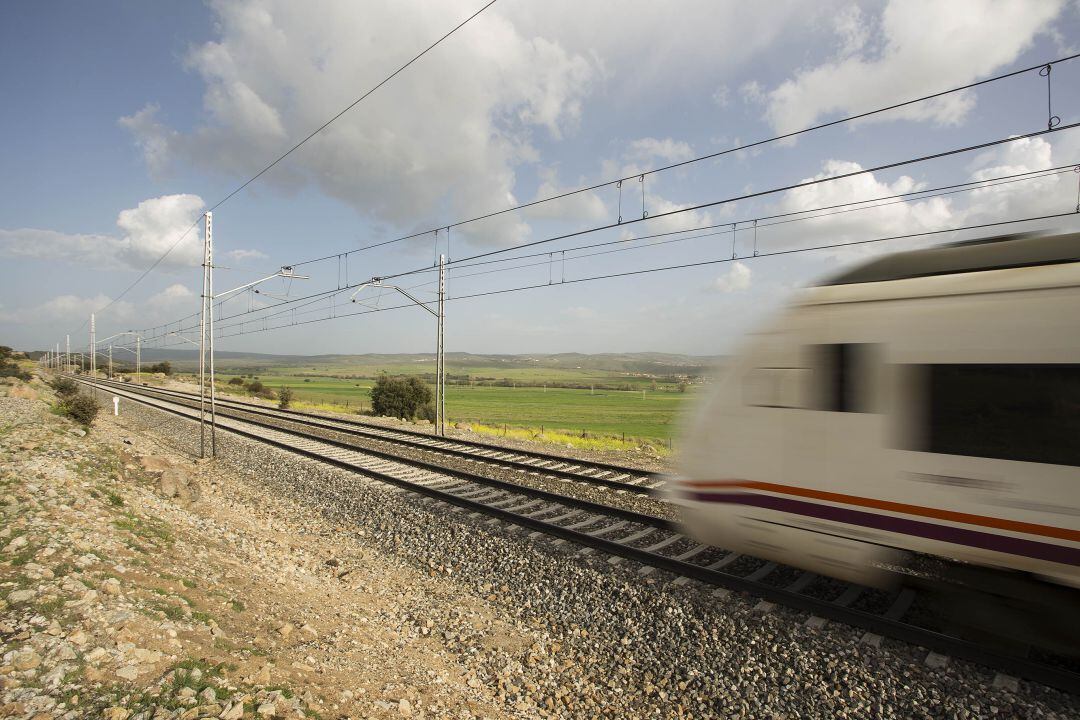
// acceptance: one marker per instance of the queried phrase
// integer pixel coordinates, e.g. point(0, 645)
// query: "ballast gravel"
point(620, 644)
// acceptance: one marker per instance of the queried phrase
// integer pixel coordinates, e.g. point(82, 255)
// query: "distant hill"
point(652, 363)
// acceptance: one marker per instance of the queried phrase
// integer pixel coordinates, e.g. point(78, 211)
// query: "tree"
point(236, 381)
point(164, 367)
point(285, 396)
point(401, 397)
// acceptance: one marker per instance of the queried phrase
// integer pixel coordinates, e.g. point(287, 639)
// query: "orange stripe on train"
point(937, 513)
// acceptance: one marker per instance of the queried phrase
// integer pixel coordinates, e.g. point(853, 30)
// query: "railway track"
point(607, 475)
point(653, 542)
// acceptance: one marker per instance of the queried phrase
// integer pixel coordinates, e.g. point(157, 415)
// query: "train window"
point(844, 377)
point(1009, 412)
point(776, 387)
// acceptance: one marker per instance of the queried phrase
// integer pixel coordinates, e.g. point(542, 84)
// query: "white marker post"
point(115, 405)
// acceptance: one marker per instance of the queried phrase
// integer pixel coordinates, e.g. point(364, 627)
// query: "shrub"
point(164, 367)
point(9, 368)
point(285, 396)
point(400, 397)
point(256, 387)
point(80, 408)
point(65, 387)
point(236, 381)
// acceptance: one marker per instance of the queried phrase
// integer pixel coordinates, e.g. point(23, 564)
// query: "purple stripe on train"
point(945, 533)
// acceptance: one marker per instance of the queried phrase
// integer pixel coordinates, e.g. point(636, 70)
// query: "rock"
point(310, 631)
point(20, 596)
point(111, 587)
point(175, 483)
point(26, 660)
point(117, 713)
point(129, 672)
point(267, 710)
point(233, 712)
point(96, 654)
point(404, 707)
point(19, 542)
point(285, 629)
point(155, 463)
point(66, 652)
point(208, 696)
point(262, 677)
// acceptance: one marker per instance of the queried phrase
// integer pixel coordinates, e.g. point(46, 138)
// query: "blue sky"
point(125, 120)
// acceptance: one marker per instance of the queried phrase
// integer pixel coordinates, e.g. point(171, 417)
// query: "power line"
point(665, 268)
point(597, 186)
point(837, 209)
point(748, 196)
point(710, 156)
point(780, 218)
point(288, 152)
point(745, 196)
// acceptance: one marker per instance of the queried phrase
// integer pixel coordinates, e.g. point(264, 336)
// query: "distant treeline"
point(673, 382)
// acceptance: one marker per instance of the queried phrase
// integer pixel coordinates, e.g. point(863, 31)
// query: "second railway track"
point(599, 474)
point(652, 541)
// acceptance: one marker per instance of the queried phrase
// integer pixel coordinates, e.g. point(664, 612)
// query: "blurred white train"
point(924, 404)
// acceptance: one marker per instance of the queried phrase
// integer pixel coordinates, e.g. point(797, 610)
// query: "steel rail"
point(454, 447)
point(888, 623)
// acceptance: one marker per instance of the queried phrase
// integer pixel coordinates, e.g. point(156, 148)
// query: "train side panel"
point(827, 444)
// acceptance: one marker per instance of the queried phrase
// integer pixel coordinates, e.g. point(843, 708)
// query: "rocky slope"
point(135, 578)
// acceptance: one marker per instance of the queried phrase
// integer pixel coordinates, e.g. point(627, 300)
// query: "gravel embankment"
point(617, 644)
point(581, 490)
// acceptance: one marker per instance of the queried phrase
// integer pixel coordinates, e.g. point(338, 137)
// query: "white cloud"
point(659, 221)
point(890, 219)
point(583, 206)
point(147, 231)
point(736, 279)
point(151, 137)
point(1043, 195)
point(244, 254)
point(438, 142)
point(925, 46)
point(852, 29)
point(171, 296)
point(71, 309)
point(66, 308)
point(667, 150)
point(752, 93)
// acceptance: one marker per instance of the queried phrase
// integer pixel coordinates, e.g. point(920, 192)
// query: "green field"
point(648, 413)
point(610, 401)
